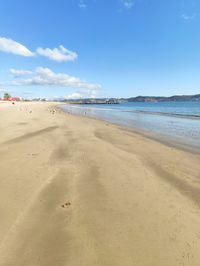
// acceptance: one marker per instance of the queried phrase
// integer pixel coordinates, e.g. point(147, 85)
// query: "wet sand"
point(78, 191)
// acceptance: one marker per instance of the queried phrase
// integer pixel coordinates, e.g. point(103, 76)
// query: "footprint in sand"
point(67, 204)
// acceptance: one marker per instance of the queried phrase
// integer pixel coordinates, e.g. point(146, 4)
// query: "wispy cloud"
point(82, 4)
point(46, 77)
point(59, 54)
point(128, 4)
point(188, 17)
point(11, 46)
point(2, 89)
point(19, 72)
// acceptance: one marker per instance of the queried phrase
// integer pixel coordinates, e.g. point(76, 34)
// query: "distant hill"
point(175, 98)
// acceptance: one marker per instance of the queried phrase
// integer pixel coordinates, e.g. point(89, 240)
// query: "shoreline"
point(176, 115)
point(81, 191)
point(166, 140)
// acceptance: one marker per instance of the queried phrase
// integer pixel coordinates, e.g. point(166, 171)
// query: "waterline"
point(180, 128)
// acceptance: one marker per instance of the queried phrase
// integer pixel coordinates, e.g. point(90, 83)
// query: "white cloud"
point(75, 95)
point(59, 54)
point(46, 77)
point(128, 4)
point(82, 94)
point(10, 46)
point(19, 72)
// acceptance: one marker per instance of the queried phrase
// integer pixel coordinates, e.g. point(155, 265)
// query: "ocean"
point(177, 122)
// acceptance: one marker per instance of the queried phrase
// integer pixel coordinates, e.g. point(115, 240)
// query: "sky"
point(99, 48)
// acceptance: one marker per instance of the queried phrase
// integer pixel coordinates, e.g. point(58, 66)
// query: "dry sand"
point(77, 191)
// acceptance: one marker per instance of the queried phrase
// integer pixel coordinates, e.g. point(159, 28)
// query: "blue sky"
point(99, 48)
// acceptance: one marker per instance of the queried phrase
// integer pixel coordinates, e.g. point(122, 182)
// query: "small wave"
point(94, 108)
point(191, 116)
point(171, 114)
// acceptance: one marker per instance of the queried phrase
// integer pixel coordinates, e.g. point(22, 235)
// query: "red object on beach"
point(14, 99)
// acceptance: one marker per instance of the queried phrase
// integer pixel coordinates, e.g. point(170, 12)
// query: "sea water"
point(176, 121)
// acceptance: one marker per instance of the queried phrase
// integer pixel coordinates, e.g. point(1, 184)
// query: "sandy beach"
point(77, 191)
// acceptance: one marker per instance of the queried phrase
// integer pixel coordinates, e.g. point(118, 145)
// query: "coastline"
point(80, 191)
point(164, 139)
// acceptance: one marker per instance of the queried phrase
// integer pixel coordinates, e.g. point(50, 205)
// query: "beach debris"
point(53, 111)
